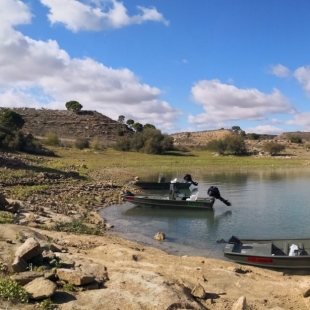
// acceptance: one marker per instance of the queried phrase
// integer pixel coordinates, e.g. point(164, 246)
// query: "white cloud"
point(264, 129)
point(40, 74)
point(105, 15)
point(302, 75)
point(302, 120)
point(280, 70)
point(223, 103)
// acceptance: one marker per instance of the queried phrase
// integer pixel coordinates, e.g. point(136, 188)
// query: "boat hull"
point(273, 254)
point(146, 201)
point(161, 186)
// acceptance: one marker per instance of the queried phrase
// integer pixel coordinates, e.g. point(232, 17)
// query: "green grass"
point(110, 162)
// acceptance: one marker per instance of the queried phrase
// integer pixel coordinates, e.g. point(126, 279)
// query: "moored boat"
point(162, 184)
point(270, 253)
point(176, 199)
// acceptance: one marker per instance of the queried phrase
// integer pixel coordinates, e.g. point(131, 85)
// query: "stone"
point(3, 202)
point(240, 304)
point(74, 277)
point(198, 291)
point(160, 236)
point(24, 278)
point(40, 288)
point(29, 249)
point(19, 264)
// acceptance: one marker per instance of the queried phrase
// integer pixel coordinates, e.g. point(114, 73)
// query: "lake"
point(265, 204)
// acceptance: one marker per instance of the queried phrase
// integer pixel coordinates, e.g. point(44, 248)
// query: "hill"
point(70, 126)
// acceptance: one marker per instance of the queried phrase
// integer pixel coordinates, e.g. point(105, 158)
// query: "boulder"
point(240, 304)
point(74, 277)
point(3, 202)
point(29, 249)
point(40, 288)
point(24, 278)
point(19, 264)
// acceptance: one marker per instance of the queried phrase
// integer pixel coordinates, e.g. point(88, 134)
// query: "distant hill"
point(69, 125)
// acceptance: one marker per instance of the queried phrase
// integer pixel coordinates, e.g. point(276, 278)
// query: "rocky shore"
point(102, 271)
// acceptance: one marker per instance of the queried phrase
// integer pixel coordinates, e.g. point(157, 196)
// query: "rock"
point(66, 261)
point(74, 277)
point(240, 304)
point(24, 278)
point(40, 288)
point(198, 291)
point(31, 248)
point(160, 236)
point(3, 202)
point(19, 264)
point(306, 293)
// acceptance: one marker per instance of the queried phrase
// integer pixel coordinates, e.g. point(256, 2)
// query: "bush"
point(273, 148)
point(295, 139)
point(51, 138)
point(81, 143)
point(6, 218)
point(12, 291)
point(123, 144)
point(11, 120)
point(95, 144)
point(74, 106)
point(218, 146)
point(235, 145)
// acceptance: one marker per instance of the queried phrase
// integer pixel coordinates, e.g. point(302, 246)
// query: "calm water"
point(265, 204)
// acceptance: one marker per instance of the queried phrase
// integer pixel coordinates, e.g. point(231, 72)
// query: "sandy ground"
point(146, 278)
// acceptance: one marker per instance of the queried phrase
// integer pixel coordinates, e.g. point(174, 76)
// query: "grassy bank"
point(129, 164)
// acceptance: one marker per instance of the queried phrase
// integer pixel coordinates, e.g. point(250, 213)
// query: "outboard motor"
point(188, 178)
point(213, 191)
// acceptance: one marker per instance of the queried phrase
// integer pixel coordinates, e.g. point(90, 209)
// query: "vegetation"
point(51, 138)
point(273, 148)
point(46, 304)
point(295, 139)
point(150, 141)
point(68, 287)
point(81, 143)
point(233, 144)
point(12, 291)
point(74, 106)
point(6, 218)
point(252, 136)
point(11, 120)
point(76, 226)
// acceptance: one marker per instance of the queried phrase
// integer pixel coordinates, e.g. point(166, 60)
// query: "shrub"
point(295, 139)
point(12, 291)
point(81, 143)
point(51, 138)
point(235, 145)
point(273, 148)
point(68, 287)
point(95, 144)
point(46, 304)
point(11, 120)
point(6, 218)
point(123, 144)
point(218, 146)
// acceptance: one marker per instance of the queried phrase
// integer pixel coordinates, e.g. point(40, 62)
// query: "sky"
point(179, 65)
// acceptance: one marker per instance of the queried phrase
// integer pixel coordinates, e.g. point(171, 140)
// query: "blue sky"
point(180, 65)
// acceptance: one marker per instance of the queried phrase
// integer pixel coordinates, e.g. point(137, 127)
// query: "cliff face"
point(70, 125)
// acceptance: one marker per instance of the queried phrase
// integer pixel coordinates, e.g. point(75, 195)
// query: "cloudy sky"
point(180, 65)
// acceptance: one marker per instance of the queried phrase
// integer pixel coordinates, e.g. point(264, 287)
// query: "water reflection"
point(265, 204)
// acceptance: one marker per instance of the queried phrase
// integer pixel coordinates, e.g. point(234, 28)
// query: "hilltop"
point(69, 125)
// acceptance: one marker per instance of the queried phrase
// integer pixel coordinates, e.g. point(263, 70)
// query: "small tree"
point(235, 144)
point(138, 127)
point(74, 106)
point(273, 148)
point(121, 119)
point(148, 126)
point(218, 146)
point(11, 120)
point(130, 122)
point(51, 138)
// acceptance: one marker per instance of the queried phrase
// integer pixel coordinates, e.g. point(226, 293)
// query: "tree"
point(237, 130)
point(74, 106)
point(121, 119)
point(273, 148)
point(148, 126)
point(295, 139)
point(235, 144)
point(138, 127)
point(218, 146)
point(11, 120)
point(130, 122)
